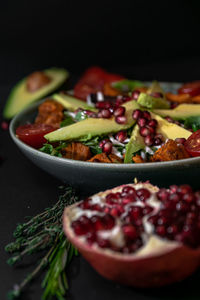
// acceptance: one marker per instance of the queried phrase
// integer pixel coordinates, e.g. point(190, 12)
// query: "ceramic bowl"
point(92, 177)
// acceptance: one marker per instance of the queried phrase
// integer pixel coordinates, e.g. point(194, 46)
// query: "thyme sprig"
point(44, 232)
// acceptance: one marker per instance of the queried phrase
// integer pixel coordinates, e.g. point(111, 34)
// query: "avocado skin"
point(90, 127)
point(151, 102)
point(17, 101)
point(181, 112)
point(71, 103)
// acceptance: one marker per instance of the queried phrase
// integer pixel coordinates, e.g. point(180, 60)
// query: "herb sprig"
point(44, 232)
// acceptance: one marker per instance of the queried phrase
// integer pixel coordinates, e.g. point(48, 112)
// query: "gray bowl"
point(92, 177)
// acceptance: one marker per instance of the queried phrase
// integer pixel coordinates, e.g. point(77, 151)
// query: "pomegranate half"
point(138, 234)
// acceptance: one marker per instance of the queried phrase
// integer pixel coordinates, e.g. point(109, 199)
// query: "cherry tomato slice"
point(33, 134)
point(93, 80)
point(191, 88)
point(192, 145)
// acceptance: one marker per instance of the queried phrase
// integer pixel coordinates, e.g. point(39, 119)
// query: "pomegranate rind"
point(158, 267)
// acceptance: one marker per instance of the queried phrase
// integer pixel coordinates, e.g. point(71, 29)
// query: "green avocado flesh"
point(150, 102)
point(170, 130)
point(71, 103)
point(135, 144)
point(20, 97)
point(181, 112)
point(90, 127)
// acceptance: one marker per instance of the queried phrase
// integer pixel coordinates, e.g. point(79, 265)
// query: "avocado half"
point(20, 97)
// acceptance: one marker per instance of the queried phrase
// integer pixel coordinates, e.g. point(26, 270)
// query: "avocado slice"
point(170, 130)
point(151, 102)
point(90, 127)
point(181, 112)
point(20, 97)
point(155, 88)
point(135, 144)
point(71, 103)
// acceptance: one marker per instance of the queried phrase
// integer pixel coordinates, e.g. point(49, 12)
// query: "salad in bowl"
point(110, 119)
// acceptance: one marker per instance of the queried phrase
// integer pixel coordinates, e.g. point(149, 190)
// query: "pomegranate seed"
point(172, 229)
point(159, 136)
point(181, 206)
point(128, 190)
point(103, 104)
point(189, 198)
point(102, 143)
point(142, 122)
point(99, 115)
point(135, 212)
point(121, 136)
point(126, 98)
point(4, 125)
point(147, 210)
point(184, 189)
point(78, 228)
point(91, 237)
point(160, 230)
point(106, 114)
point(162, 221)
point(143, 194)
point(113, 196)
point(120, 119)
point(144, 131)
point(149, 140)
point(180, 141)
point(153, 123)
point(128, 199)
point(157, 95)
point(136, 114)
point(153, 219)
point(174, 188)
point(157, 141)
point(169, 119)
point(162, 194)
point(174, 197)
point(119, 111)
point(115, 212)
point(130, 232)
point(152, 130)
point(96, 207)
point(146, 115)
point(107, 147)
point(97, 223)
point(135, 94)
point(108, 221)
point(103, 243)
point(85, 204)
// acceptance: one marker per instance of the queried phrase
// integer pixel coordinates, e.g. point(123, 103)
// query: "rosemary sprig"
point(44, 232)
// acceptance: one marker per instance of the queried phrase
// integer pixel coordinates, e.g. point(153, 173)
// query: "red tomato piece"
point(93, 80)
point(33, 134)
point(191, 88)
point(192, 145)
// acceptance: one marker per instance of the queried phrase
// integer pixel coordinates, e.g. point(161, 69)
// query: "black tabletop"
point(27, 190)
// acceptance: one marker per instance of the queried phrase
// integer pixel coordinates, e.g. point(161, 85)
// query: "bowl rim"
point(32, 107)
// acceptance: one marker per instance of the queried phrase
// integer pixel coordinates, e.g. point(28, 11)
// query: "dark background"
point(139, 39)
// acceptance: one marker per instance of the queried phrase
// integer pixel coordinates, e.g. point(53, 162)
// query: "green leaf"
point(193, 122)
point(127, 85)
point(47, 148)
point(80, 116)
point(67, 121)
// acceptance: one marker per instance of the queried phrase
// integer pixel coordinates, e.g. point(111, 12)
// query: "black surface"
point(26, 190)
point(140, 39)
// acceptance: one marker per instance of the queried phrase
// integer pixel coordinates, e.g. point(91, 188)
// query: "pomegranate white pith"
point(135, 251)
